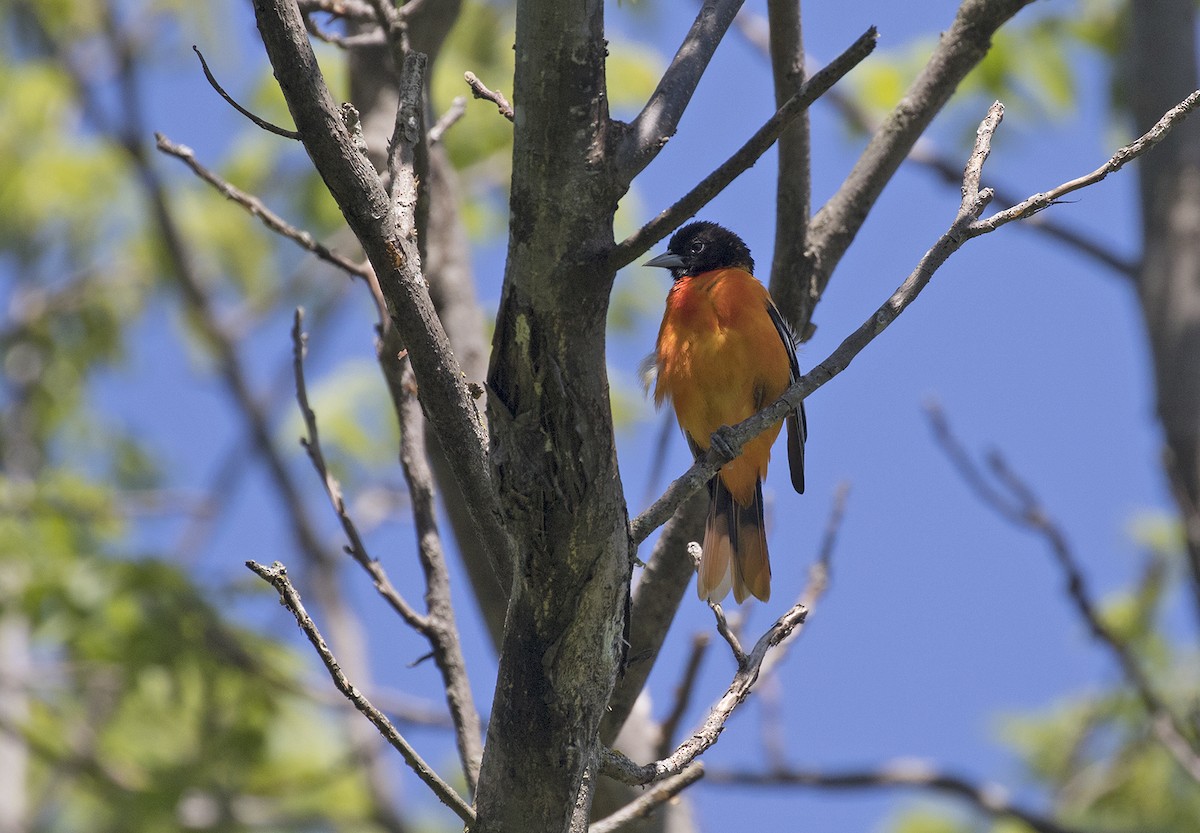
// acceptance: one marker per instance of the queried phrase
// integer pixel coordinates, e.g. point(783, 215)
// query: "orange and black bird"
point(724, 353)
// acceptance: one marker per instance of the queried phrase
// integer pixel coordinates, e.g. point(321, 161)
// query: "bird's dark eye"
point(697, 247)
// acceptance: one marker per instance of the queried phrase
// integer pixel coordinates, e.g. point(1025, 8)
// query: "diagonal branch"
point(255, 206)
point(640, 241)
point(833, 228)
point(261, 122)
point(648, 133)
point(480, 91)
point(437, 625)
point(1013, 500)
point(966, 226)
point(276, 576)
point(312, 445)
point(754, 28)
point(650, 800)
point(991, 799)
point(441, 628)
point(1038, 202)
point(357, 189)
point(616, 765)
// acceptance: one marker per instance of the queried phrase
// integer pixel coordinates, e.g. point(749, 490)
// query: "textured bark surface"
point(551, 435)
point(793, 198)
point(1163, 58)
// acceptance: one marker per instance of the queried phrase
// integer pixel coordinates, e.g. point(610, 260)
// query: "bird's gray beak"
point(667, 260)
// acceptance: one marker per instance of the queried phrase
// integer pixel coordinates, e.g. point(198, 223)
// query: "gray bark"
point(1163, 58)
point(552, 436)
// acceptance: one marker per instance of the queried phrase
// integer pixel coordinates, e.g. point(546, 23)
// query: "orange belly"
point(721, 360)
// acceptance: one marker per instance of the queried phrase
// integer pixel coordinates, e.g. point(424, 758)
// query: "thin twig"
point(356, 187)
point(495, 96)
point(727, 633)
point(276, 576)
point(255, 206)
point(1131, 151)
point(312, 445)
point(924, 153)
point(348, 9)
point(833, 228)
point(441, 629)
point(437, 625)
point(964, 228)
point(1018, 505)
point(618, 766)
point(261, 122)
point(991, 799)
point(640, 241)
point(646, 803)
point(456, 110)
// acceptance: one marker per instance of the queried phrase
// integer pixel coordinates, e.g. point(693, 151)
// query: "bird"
point(724, 352)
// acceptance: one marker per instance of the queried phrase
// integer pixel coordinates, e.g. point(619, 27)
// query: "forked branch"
point(967, 225)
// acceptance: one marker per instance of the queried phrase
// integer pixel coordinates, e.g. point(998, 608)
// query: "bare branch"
point(261, 122)
point(659, 118)
point(755, 30)
point(727, 633)
point(616, 765)
point(834, 227)
point(440, 626)
point(456, 110)
point(312, 444)
point(495, 96)
point(348, 9)
point(1018, 505)
point(356, 188)
point(966, 226)
point(646, 803)
point(276, 576)
point(640, 241)
point(928, 157)
point(991, 799)
point(1131, 151)
point(256, 208)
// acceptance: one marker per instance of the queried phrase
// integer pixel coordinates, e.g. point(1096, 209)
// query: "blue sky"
point(940, 617)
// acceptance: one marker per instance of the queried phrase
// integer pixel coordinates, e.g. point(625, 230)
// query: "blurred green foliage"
point(1094, 753)
point(151, 708)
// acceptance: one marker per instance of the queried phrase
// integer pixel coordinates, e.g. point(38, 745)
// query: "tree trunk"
point(551, 433)
point(1163, 57)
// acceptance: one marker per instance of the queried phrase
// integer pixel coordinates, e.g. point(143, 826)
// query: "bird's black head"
point(702, 247)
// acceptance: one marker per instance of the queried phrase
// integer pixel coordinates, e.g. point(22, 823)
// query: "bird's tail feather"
point(734, 554)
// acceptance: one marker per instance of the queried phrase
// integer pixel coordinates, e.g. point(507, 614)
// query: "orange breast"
point(721, 360)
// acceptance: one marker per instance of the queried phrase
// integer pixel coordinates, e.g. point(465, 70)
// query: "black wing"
point(797, 424)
